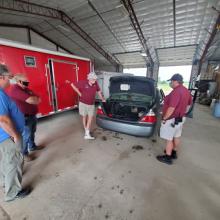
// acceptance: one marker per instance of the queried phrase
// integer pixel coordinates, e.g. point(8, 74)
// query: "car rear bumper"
point(141, 130)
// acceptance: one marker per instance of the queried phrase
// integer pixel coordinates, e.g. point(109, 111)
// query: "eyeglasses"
point(10, 76)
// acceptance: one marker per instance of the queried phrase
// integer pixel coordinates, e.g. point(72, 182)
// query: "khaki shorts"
point(85, 109)
point(168, 132)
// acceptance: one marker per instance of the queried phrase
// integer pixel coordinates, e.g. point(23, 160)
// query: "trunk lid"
point(131, 98)
point(132, 85)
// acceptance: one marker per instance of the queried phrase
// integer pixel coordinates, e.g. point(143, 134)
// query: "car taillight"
point(149, 118)
point(99, 111)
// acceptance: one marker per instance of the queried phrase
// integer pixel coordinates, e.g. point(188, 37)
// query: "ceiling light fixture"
point(143, 54)
point(123, 10)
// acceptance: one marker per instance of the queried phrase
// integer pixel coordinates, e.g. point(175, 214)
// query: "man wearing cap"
point(11, 127)
point(174, 110)
point(27, 101)
point(86, 89)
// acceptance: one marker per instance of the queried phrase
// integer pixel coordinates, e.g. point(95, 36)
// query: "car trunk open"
point(130, 99)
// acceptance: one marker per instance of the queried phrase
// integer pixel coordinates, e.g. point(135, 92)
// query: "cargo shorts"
point(85, 109)
point(168, 132)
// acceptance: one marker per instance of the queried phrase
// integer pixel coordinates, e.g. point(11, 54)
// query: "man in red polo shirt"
point(86, 90)
point(27, 101)
point(174, 110)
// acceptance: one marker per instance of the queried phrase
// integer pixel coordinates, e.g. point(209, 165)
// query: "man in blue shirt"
point(11, 127)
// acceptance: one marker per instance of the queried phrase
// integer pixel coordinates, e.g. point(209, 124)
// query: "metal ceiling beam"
point(174, 23)
point(136, 51)
point(218, 60)
point(189, 45)
point(211, 38)
point(128, 6)
point(39, 10)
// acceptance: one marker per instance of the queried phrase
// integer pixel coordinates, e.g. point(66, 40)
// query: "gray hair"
point(20, 76)
point(92, 75)
point(3, 70)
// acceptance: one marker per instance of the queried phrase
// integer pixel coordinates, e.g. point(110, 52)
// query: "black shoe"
point(165, 159)
point(23, 193)
point(173, 154)
point(36, 148)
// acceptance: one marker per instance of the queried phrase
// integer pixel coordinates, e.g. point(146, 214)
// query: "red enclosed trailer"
point(48, 72)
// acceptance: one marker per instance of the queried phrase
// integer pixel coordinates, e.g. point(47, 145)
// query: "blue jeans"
point(29, 134)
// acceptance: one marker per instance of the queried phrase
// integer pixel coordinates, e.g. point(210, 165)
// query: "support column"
point(29, 35)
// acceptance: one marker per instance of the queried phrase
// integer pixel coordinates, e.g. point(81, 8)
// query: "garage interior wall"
point(41, 42)
point(107, 68)
point(14, 34)
point(20, 34)
point(203, 72)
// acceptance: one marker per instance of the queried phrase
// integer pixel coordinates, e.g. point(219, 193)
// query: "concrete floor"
point(107, 179)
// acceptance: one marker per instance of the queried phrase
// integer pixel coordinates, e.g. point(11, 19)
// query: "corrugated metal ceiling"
point(172, 28)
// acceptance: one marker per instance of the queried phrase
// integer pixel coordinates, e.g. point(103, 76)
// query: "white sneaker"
point(88, 137)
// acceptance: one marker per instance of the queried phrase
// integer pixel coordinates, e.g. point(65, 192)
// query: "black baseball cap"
point(176, 77)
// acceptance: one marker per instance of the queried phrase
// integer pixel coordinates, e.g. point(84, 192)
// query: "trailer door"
point(64, 73)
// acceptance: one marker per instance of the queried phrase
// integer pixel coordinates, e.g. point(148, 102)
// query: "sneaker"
point(88, 137)
point(173, 155)
point(21, 194)
point(165, 159)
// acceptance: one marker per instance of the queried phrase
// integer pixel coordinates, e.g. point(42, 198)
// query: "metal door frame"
point(51, 62)
point(50, 93)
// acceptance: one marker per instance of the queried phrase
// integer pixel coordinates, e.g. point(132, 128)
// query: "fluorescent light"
point(119, 6)
point(143, 54)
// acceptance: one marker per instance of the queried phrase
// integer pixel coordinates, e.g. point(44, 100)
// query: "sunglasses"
point(25, 83)
point(7, 75)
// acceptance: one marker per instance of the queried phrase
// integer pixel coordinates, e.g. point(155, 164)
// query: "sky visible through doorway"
point(165, 72)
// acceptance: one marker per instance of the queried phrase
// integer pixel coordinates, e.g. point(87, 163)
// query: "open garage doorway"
point(136, 71)
point(165, 73)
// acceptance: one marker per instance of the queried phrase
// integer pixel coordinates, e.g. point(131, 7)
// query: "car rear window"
point(138, 85)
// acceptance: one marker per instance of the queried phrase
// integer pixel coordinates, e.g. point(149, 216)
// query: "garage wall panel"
point(14, 34)
point(37, 40)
